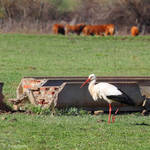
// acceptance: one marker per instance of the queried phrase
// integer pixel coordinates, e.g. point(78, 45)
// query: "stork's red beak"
point(85, 82)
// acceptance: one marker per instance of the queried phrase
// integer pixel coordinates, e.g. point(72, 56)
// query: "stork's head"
point(90, 78)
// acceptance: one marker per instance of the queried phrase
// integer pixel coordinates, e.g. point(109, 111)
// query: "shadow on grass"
point(141, 124)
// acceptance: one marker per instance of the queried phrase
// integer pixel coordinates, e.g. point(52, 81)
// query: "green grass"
point(35, 132)
point(48, 55)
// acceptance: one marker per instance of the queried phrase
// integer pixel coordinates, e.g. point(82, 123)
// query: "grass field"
point(33, 132)
point(48, 55)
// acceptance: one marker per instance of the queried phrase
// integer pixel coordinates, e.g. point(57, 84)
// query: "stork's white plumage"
point(107, 92)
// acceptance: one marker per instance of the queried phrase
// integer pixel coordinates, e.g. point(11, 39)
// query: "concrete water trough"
point(64, 92)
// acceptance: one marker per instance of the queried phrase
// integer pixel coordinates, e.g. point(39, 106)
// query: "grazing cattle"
point(58, 29)
point(74, 28)
point(110, 29)
point(107, 29)
point(134, 31)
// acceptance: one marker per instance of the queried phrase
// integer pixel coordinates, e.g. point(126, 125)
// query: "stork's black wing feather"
point(123, 98)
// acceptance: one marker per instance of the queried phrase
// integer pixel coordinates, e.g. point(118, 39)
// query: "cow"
point(105, 29)
point(58, 29)
point(134, 31)
point(74, 28)
point(93, 30)
point(110, 29)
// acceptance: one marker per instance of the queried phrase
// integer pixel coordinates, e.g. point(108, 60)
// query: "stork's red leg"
point(109, 113)
point(113, 118)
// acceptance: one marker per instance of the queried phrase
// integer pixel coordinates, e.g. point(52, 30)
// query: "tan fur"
point(58, 29)
point(74, 28)
point(134, 31)
point(106, 29)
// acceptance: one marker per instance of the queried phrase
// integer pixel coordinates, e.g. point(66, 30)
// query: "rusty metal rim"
point(77, 78)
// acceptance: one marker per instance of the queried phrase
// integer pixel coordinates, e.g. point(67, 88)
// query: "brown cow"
point(58, 29)
point(110, 29)
point(134, 31)
point(74, 28)
point(107, 29)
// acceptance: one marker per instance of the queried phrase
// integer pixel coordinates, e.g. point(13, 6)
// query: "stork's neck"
point(91, 86)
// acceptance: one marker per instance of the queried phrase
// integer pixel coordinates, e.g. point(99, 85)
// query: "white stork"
point(107, 92)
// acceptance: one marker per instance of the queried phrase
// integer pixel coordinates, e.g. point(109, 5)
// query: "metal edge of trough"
point(78, 78)
point(140, 80)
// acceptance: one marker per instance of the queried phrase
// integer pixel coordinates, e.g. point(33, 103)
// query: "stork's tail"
point(123, 98)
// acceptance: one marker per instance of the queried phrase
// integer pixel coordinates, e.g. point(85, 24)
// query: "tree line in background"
point(40, 15)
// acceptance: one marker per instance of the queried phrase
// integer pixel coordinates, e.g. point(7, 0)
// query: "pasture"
point(49, 55)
